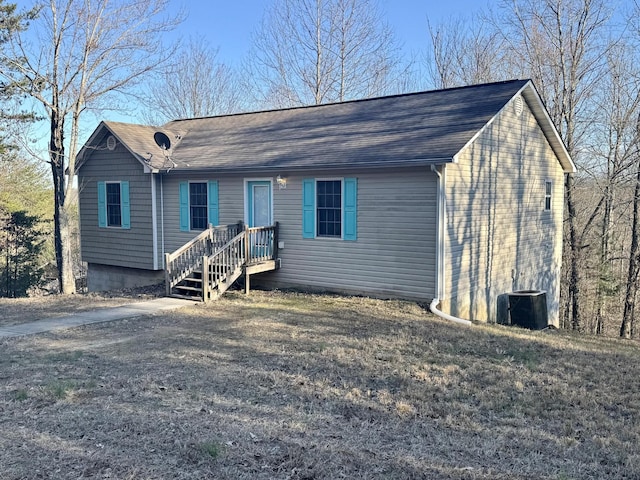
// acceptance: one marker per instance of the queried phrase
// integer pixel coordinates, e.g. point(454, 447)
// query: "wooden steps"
point(207, 266)
point(187, 297)
point(189, 288)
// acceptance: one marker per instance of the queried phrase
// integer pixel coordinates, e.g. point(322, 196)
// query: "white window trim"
point(548, 182)
point(106, 203)
point(315, 211)
point(206, 184)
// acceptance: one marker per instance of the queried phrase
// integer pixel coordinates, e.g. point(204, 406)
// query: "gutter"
point(294, 168)
point(440, 251)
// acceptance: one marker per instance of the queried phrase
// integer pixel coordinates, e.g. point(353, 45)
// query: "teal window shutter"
point(184, 206)
point(214, 206)
point(102, 205)
point(125, 206)
point(308, 208)
point(350, 209)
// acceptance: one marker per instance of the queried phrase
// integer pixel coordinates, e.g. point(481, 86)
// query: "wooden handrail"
point(204, 235)
point(220, 256)
point(197, 239)
point(186, 259)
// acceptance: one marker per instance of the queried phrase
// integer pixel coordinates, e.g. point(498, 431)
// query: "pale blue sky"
point(228, 24)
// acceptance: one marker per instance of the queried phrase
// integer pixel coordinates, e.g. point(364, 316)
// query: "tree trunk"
point(62, 236)
point(576, 256)
point(604, 256)
point(61, 214)
point(626, 329)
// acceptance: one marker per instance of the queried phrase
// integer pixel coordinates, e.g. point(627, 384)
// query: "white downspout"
point(446, 316)
point(162, 218)
point(440, 251)
point(154, 221)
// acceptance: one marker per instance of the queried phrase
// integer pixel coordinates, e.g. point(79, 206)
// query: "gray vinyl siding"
point(231, 206)
point(394, 254)
point(116, 246)
point(499, 238)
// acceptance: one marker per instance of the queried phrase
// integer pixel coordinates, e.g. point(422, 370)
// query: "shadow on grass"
point(321, 388)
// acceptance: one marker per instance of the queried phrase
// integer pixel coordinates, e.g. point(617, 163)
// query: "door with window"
point(259, 214)
point(259, 203)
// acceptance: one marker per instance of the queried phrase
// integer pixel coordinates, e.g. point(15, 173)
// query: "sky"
point(228, 24)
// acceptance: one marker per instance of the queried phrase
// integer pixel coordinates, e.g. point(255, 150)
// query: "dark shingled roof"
point(411, 129)
point(430, 126)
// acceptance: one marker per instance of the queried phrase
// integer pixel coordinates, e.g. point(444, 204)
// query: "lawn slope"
point(291, 386)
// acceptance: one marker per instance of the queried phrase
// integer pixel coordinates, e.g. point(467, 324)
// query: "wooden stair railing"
point(188, 258)
point(224, 267)
point(210, 263)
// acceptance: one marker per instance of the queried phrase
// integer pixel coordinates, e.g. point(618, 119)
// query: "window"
point(329, 208)
point(198, 206)
point(548, 190)
point(113, 205)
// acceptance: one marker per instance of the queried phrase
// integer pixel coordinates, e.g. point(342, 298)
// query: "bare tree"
point(196, 84)
point(465, 52)
point(631, 291)
point(613, 147)
point(79, 54)
point(318, 51)
point(12, 116)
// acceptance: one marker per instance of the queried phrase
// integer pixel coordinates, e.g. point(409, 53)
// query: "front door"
point(259, 203)
point(259, 214)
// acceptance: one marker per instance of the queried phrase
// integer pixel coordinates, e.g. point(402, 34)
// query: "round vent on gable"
point(162, 140)
point(111, 142)
point(517, 105)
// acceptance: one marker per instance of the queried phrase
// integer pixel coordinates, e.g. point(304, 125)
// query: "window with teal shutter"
point(199, 205)
point(350, 209)
point(308, 208)
point(114, 208)
point(330, 208)
point(184, 206)
point(214, 208)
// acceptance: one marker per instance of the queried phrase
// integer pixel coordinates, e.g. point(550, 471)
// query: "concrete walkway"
point(95, 316)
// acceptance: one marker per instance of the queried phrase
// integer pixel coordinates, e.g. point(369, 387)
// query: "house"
point(454, 195)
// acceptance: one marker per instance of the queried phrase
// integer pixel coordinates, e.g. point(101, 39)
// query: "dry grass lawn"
point(290, 386)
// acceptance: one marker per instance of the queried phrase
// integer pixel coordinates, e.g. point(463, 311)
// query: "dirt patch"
point(291, 386)
point(14, 311)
